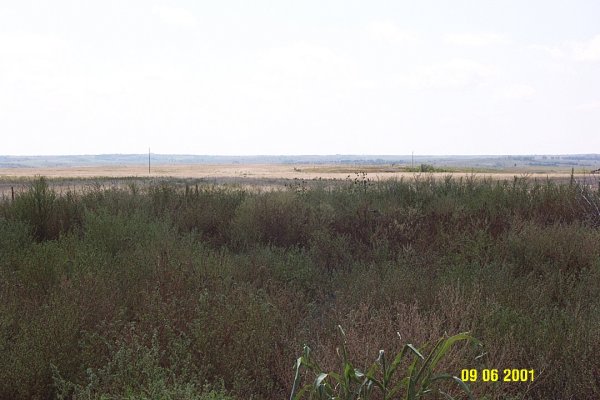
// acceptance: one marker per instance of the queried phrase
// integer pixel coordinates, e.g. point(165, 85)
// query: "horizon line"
point(303, 155)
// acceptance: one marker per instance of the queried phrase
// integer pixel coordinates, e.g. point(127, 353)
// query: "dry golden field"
point(268, 171)
point(250, 176)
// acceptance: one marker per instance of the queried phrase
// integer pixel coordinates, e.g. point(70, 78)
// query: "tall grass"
point(163, 290)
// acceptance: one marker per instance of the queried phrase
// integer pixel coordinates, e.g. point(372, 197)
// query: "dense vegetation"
point(210, 292)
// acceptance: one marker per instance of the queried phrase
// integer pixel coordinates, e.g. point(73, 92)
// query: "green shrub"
point(236, 335)
point(15, 239)
point(37, 208)
point(331, 251)
point(209, 212)
point(276, 218)
point(135, 370)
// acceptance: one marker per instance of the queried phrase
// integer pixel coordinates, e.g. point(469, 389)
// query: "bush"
point(276, 218)
point(37, 208)
point(135, 370)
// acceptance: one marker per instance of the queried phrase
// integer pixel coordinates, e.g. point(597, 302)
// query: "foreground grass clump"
point(169, 291)
point(381, 378)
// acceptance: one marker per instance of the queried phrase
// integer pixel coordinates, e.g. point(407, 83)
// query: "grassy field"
point(283, 171)
point(180, 289)
point(266, 176)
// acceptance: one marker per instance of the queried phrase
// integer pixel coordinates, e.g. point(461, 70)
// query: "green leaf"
point(438, 352)
point(398, 359)
point(320, 379)
point(456, 379)
point(447, 344)
point(402, 384)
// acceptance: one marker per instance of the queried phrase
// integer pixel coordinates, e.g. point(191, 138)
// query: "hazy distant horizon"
point(495, 161)
point(299, 155)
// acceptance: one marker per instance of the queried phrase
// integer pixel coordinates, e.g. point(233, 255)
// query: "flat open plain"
point(267, 176)
point(268, 171)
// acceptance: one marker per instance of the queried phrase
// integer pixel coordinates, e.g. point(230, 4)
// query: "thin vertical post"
point(148, 160)
point(12, 193)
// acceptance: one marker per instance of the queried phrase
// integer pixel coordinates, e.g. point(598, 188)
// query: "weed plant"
point(168, 291)
point(381, 378)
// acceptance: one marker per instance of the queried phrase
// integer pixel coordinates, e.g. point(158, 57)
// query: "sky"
point(300, 77)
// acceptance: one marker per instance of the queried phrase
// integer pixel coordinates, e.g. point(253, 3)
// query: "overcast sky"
point(300, 77)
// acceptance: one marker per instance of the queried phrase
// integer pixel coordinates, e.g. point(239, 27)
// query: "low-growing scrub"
point(175, 291)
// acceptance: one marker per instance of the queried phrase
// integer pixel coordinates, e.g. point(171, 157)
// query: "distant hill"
point(480, 161)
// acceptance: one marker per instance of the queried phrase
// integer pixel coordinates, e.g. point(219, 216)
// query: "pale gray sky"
point(300, 77)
